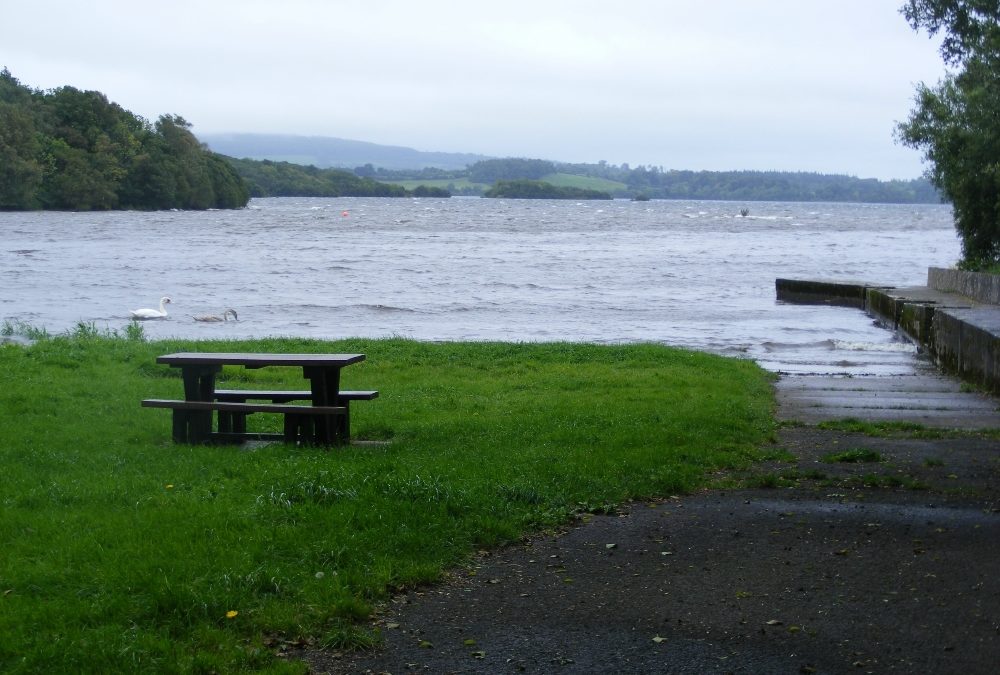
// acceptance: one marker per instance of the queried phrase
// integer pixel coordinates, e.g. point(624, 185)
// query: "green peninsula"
point(538, 189)
point(67, 149)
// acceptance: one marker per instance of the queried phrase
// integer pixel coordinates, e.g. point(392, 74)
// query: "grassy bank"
point(123, 551)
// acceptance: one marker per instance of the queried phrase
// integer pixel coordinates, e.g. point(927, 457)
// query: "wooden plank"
point(279, 395)
point(357, 395)
point(243, 407)
point(273, 395)
point(253, 360)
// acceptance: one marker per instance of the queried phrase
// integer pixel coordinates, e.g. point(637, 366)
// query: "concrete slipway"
point(954, 322)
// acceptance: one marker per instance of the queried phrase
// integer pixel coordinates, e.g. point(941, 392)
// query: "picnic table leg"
point(298, 429)
point(199, 385)
point(180, 426)
point(233, 422)
point(325, 386)
point(343, 422)
point(292, 428)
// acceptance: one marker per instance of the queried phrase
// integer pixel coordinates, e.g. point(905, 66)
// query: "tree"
point(20, 173)
point(956, 122)
point(72, 149)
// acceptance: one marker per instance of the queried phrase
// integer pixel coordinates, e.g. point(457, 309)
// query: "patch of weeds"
point(854, 455)
point(854, 425)
point(875, 480)
point(135, 332)
point(795, 474)
point(774, 455)
point(904, 430)
point(85, 330)
point(768, 481)
point(341, 634)
point(933, 461)
point(21, 329)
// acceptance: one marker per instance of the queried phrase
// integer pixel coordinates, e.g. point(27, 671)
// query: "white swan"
point(216, 317)
point(152, 313)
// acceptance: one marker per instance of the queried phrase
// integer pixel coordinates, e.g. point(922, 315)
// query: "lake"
point(685, 273)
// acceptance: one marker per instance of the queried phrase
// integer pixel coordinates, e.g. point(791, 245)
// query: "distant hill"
point(327, 152)
point(471, 174)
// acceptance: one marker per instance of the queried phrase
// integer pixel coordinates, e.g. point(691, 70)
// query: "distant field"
point(457, 184)
point(584, 182)
point(559, 179)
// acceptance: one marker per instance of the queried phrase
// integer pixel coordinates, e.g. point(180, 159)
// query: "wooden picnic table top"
point(256, 360)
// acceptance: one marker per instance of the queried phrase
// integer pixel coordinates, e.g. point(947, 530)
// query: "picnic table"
point(325, 420)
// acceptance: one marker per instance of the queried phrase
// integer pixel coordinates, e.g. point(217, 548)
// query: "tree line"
point(655, 182)
point(67, 149)
point(266, 178)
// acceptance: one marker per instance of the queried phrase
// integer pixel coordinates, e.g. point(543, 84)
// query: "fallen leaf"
point(425, 644)
point(659, 639)
point(773, 622)
point(470, 642)
point(392, 625)
point(479, 655)
point(611, 546)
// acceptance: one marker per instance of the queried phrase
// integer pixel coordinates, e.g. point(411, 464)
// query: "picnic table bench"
point(323, 420)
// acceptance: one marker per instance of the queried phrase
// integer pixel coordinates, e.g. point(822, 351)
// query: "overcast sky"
point(802, 85)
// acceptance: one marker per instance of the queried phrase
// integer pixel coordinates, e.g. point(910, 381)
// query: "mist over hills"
point(328, 152)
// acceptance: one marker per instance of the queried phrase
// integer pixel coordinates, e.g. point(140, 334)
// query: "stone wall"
point(975, 285)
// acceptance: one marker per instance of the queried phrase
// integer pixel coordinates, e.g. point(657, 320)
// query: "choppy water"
point(684, 273)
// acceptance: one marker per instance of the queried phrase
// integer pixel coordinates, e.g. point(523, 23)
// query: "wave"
point(899, 347)
point(383, 308)
point(792, 346)
point(842, 345)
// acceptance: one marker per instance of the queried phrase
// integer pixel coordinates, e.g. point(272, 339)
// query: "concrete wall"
point(961, 334)
point(808, 292)
point(966, 342)
point(981, 287)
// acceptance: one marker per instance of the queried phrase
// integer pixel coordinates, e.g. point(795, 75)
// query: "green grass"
point(125, 552)
point(558, 179)
point(853, 455)
point(904, 430)
point(583, 182)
